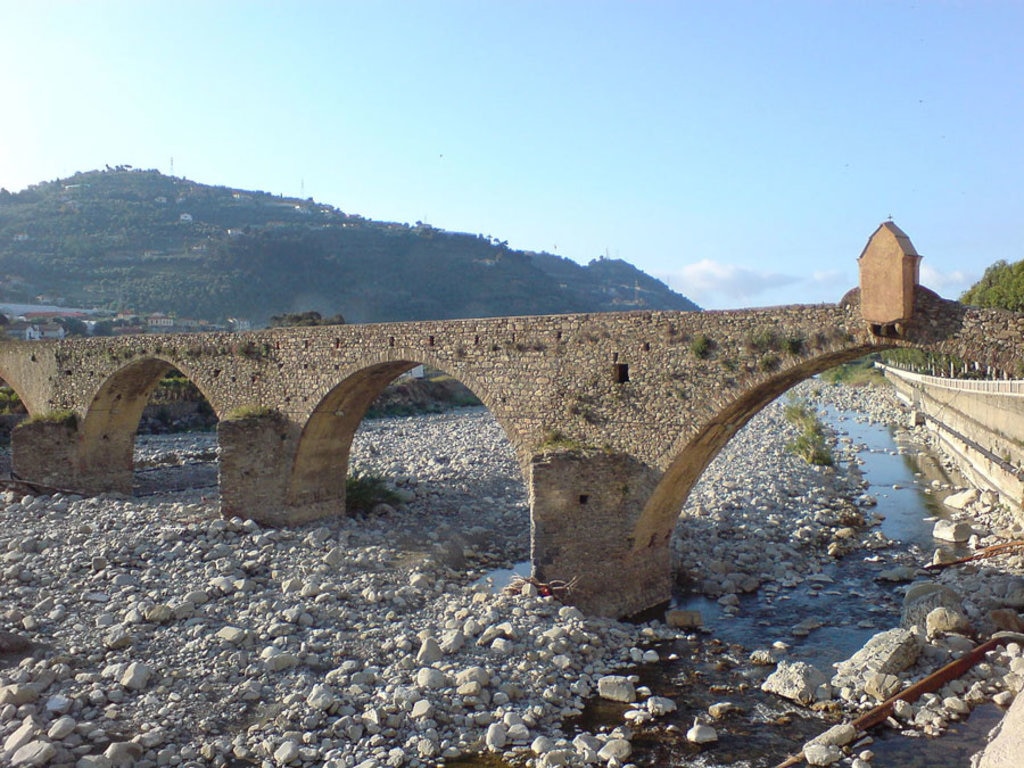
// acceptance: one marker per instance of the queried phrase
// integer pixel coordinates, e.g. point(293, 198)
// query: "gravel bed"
point(161, 634)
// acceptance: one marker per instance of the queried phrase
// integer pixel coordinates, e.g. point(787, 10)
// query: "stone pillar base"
point(48, 454)
point(584, 507)
point(255, 462)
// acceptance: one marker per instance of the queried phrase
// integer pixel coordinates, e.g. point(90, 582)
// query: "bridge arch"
point(658, 519)
point(17, 388)
point(108, 425)
point(319, 469)
point(22, 379)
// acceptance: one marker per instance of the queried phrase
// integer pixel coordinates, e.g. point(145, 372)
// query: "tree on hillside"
point(294, 319)
point(73, 326)
point(1001, 287)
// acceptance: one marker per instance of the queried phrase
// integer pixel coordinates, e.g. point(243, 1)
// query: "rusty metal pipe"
point(912, 693)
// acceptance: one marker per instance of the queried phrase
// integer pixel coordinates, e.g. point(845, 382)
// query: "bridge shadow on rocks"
point(613, 417)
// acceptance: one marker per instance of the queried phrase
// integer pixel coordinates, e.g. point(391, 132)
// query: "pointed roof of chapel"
point(901, 237)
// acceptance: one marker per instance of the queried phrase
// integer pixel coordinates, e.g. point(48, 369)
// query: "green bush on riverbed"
point(365, 491)
point(810, 444)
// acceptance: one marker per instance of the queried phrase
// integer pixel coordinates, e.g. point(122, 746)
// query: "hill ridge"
point(124, 238)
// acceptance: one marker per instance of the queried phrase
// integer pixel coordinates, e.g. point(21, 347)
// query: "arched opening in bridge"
point(176, 442)
point(658, 522)
point(149, 428)
point(424, 455)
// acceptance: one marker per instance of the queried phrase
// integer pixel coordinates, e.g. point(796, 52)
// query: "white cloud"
point(952, 283)
point(709, 282)
point(833, 279)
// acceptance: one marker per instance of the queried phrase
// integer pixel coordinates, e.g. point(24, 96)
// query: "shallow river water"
point(713, 665)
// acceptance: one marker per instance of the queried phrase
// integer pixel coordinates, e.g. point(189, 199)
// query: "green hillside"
point(131, 239)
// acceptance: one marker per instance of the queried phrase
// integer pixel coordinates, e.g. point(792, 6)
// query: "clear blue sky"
point(741, 151)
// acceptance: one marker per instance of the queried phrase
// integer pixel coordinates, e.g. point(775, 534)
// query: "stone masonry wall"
point(660, 392)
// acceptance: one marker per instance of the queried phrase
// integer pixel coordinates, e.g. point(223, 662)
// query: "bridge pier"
point(256, 457)
point(585, 506)
point(54, 455)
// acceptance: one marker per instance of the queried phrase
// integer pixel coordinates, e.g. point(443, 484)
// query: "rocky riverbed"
point(151, 632)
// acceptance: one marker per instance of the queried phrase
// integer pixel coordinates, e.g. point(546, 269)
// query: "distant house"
point(161, 200)
point(24, 330)
point(50, 330)
point(185, 218)
point(158, 321)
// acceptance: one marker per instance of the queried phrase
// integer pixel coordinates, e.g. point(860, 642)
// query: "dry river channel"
point(149, 631)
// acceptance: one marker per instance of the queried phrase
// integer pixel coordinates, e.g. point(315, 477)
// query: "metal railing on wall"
point(1010, 387)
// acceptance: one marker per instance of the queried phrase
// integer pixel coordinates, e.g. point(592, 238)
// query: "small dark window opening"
point(391, 341)
point(476, 341)
point(430, 341)
point(558, 335)
point(621, 373)
point(584, 498)
point(647, 346)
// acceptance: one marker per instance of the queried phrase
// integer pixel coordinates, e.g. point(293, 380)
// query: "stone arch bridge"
point(613, 416)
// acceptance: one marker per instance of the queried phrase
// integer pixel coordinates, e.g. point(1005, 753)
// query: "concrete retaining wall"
point(979, 423)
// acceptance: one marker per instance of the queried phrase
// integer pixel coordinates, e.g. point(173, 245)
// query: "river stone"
point(35, 753)
point(136, 675)
point(942, 620)
point(616, 688)
point(615, 749)
point(320, 697)
point(956, 531)
point(452, 641)
point(123, 754)
point(477, 675)
point(888, 652)
point(429, 651)
point(822, 754)
point(962, 499)
point(18, 694)
point(699, 733)
point(24, 733)
point(61, 728)
point(882, 686)
point(924, 596)
point(428, 677)
point(660, 705)
point(838, 735)
point(796, 681)
point(286, 753)
point(496, 736)
point(422, 709)
point(232, 634)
